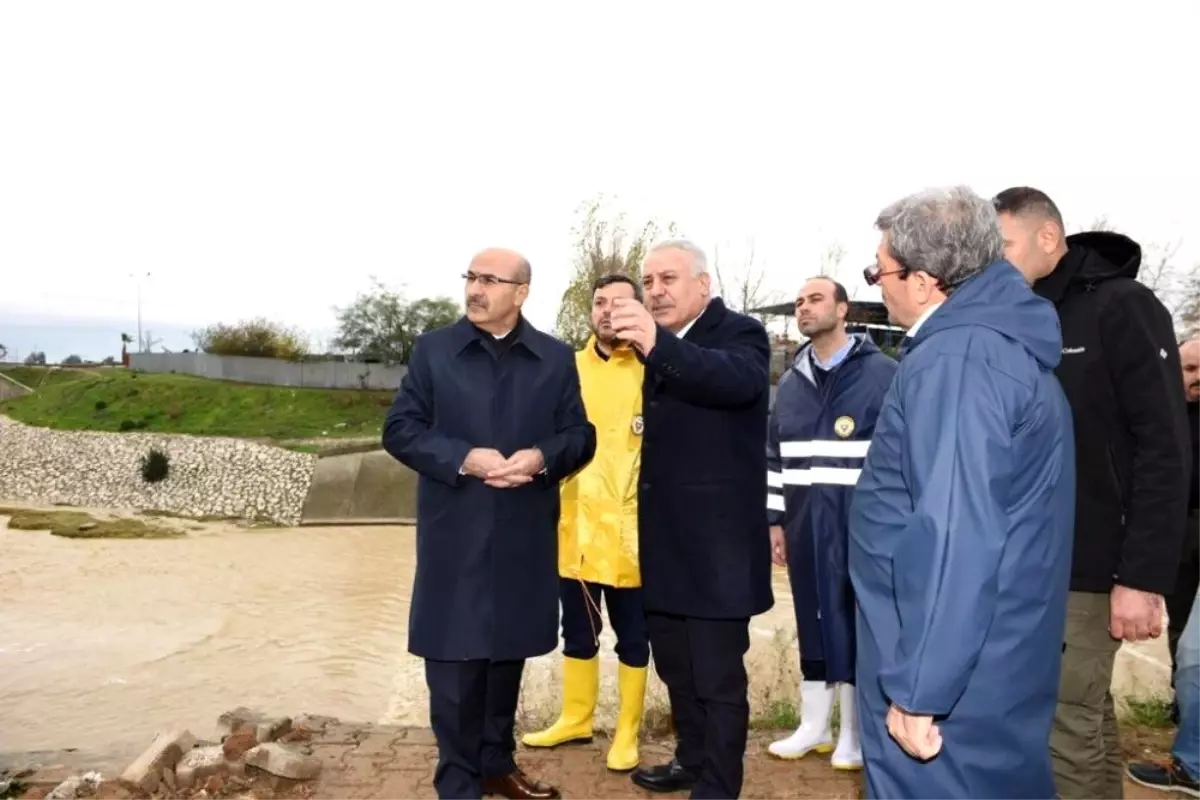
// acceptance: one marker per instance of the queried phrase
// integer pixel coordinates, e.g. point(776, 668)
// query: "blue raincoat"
point(818, 435)
point(960, 547)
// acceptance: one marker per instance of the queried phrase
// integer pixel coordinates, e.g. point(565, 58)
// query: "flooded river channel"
point(104, 642)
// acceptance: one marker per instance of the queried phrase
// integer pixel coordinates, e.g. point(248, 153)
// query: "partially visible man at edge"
point(1120, 370)
point(819, 433)
point(702, 524)
point(960, 528)
point(1179, 600)
point(491, 418)
point(1182, 772)
point(598, 541)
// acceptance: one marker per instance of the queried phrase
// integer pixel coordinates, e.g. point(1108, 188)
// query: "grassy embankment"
point(114, 399)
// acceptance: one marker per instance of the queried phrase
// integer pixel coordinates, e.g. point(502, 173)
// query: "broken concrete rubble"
point(75, 786)
point(253, 748)
point(199, 765)
point(146, 772)
point(281, 761)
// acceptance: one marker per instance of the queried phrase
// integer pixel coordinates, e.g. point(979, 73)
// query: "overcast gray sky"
point(265, 158)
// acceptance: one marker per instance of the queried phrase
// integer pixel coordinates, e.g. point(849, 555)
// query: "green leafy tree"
point(381, 325)
point(603, 246)
point(35, 359)
point(72, 361)
point(258, 338)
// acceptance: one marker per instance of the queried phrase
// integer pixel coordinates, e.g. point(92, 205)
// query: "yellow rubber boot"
point(581, 684)
point(623, 755)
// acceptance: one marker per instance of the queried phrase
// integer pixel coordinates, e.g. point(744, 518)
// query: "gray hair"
point(699, 259)
point(951, 233)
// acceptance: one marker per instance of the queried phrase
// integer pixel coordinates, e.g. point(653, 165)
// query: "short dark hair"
point(839, 291)
point(1021, 200)
point(617, 277)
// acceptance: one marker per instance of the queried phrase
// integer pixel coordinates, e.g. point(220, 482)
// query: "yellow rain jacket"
point(597, 529)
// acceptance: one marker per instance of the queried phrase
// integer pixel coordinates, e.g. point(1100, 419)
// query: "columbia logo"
point(1073, 351)
point(1163, 353)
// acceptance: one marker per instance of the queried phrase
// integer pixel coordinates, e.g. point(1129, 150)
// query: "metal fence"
point(272, 371)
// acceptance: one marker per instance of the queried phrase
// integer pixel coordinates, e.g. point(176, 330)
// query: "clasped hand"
point(504, 473)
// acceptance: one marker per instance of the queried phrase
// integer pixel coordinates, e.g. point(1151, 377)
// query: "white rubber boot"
point(813, 735)
point(848, 754)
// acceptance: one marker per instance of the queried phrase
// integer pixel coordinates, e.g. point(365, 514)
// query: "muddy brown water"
point(104, 642)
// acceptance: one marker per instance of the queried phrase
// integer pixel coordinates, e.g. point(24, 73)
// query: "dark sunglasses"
point(872, 274)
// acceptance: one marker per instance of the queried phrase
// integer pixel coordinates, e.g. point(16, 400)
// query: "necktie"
point(902, 350)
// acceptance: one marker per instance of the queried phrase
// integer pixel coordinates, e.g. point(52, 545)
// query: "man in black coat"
point(490, 416)
point(1120, 371)
point(704, 544)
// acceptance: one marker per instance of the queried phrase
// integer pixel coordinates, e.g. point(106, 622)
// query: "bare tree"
point(1187, 313)
point(1158, 272)
point(148, 341)
point(832, 258)
point(743, 284)
point(1099, 224)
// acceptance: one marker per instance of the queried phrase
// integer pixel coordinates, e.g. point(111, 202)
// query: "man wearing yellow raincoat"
point(598, 541)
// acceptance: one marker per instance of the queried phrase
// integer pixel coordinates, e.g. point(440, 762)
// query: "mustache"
point(477, 302)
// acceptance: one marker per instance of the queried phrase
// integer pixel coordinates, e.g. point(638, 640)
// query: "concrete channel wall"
point(273, 371)
point(360, 488)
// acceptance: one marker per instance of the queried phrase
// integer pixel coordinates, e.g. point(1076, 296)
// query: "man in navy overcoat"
point(702, 522)
point(491, 418)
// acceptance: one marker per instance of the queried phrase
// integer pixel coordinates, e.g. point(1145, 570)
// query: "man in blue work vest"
point(820, 429)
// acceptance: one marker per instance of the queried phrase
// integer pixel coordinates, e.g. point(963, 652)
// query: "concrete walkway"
point(366, 761)
point(399, 762)
point(390, 763)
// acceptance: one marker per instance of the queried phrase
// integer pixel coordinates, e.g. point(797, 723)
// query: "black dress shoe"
point(669, 777)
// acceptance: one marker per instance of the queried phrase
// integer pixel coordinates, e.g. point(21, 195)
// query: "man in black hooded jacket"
point(1120, 370)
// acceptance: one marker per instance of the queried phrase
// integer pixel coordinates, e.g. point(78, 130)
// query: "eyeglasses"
point(489, 280)
point(872, 274)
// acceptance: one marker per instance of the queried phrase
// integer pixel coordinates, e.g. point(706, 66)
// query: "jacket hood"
point(998, 298)
point(1105, 255)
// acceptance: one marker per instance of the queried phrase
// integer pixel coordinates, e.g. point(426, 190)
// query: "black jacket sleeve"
point(408, 432)
point(574, 442)
point(731, 375)
point(1143, 361)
